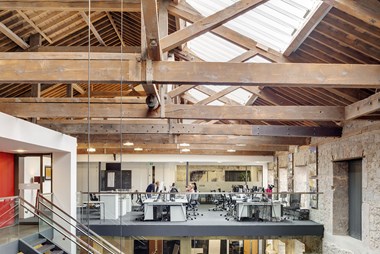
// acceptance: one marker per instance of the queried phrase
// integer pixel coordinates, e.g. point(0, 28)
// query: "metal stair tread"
point(57, 252)
point(38, 241)
point(45, 248)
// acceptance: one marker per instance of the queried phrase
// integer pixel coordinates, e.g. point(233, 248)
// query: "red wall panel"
point(6, 188)
point(7, 175)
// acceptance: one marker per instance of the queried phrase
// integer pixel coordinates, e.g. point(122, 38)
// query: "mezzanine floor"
point(207, 223)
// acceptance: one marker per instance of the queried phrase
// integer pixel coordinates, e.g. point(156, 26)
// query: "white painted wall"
point(19, 134)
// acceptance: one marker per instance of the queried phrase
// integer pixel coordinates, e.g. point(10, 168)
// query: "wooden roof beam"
point(363, 107)
point(208, 23)
point(218, 147)
point(368, 10)
point(115, 28)
point(302, 33)
point(14, 37)
point(69, 5)
point(264, 74)
point(27, 19)
point(150, 16)
point(194, 139)
point(266, 113)
point(78, 88)
point(54, 68)
point(175, 111)
point(88, 21)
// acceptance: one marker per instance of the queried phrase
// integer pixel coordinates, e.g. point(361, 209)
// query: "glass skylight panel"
point(239, 95)
point(219, 51)
point(216, 103)
point(273, 23)
point(198, 95)
point(216, 88)
point(257, 59)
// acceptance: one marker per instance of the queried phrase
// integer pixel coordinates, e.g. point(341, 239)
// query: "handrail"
point(86, 246)
point(78, 228)
point(11, 208)
point(14, 215)
point(108, 244)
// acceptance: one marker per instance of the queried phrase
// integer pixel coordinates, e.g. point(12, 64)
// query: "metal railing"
point(79, 226)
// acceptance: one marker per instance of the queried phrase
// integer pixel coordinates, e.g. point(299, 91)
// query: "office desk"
point(264, 210)
point(89, 204)
point(153, 209)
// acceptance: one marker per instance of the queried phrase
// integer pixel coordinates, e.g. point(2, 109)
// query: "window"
point(237, 176)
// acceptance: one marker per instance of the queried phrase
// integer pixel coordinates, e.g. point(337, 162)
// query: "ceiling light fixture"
point(241, 145)
point(128, 143)
point(91, 150)
point(184, 144)
point(231, 150)
point(138, 149)
point(19, 151)
point(185, 150)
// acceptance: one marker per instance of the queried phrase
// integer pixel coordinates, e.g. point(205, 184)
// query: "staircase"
point(39, 244)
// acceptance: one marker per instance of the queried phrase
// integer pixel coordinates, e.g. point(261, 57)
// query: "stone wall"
point(361, 139)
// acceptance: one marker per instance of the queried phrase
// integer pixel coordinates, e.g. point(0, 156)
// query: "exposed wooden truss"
point(68, 5)
point(55, 69)
point(329, 74)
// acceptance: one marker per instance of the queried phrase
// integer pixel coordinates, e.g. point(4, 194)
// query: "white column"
point(64, 188)
point(265, 175)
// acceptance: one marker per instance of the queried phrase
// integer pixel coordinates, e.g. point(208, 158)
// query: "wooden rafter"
point(217, 95)
point(208, 23)
point(363, 107)
point(78, 88)
point(68, 5)
point(14, 37)
point(115, 28)
point(27, 19)
point(364, 10)
point(92, 27)
point(313, 21)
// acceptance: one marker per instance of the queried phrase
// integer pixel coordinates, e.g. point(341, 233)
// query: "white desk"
point(268, 210)
point(177, 209)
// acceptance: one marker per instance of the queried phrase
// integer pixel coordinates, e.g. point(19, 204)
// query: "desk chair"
point(219, 202)
point(230, 208)
point(192, 206)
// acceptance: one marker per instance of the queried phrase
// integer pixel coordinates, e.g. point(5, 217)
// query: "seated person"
point(173, 189)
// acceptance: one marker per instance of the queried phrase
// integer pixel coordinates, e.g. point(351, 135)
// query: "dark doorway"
point(355, 198)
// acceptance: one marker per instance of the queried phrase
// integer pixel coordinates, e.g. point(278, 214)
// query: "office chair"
point(219, 202)
point(192, 206)
point(230, 208)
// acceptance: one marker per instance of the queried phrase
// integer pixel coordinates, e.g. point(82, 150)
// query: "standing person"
point(153, 187)
point(269, 191)
point(195, 187)
point(189, 188)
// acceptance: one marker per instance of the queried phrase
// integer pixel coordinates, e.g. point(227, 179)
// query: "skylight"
point(273, 23)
